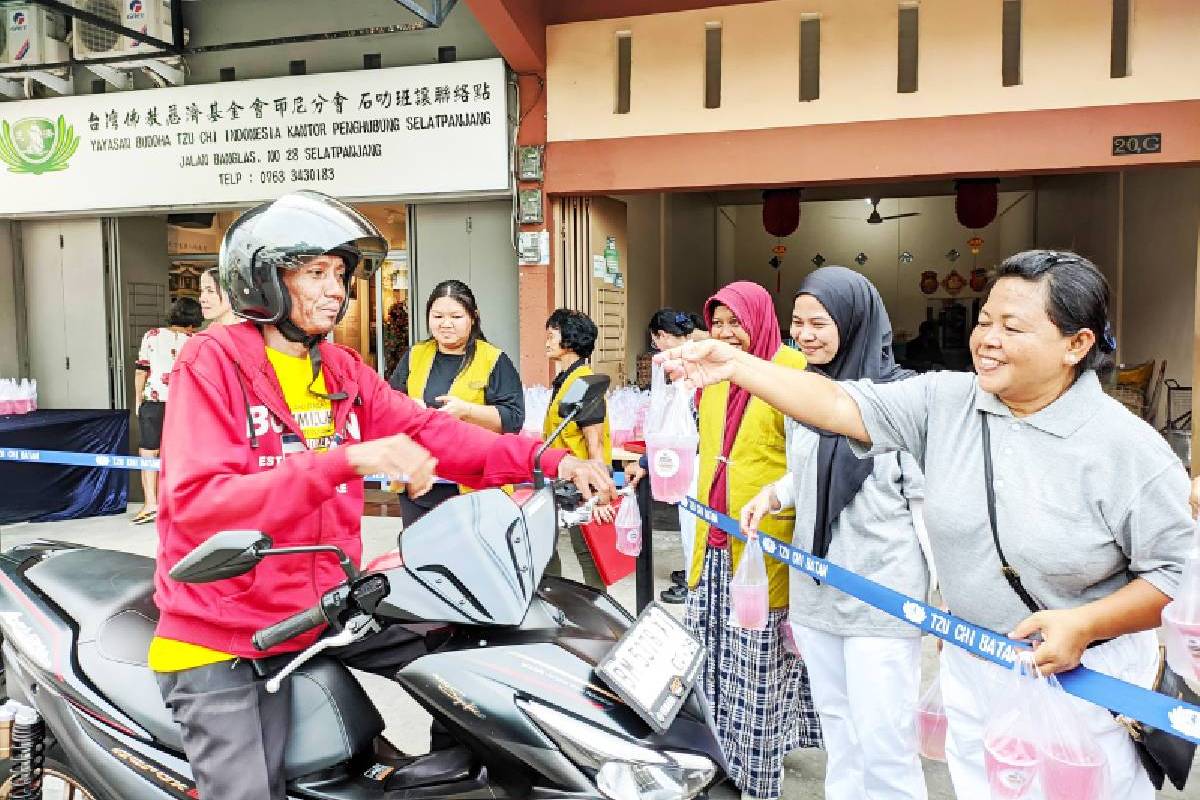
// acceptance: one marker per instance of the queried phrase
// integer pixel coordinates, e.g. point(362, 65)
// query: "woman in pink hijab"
point(756, 687)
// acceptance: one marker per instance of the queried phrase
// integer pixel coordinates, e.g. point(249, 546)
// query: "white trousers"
point(865, 690)
point(969, 685)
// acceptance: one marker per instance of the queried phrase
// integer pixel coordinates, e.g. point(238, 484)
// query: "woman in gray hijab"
point(865, 666)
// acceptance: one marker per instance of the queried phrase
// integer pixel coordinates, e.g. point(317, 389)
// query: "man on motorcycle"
point(272, 428)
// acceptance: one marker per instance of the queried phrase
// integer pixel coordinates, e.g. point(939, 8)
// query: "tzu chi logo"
point(18, 18)
point(135, 6)
point(36, 145)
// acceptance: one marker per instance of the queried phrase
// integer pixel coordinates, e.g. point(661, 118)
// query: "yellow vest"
point(759, 457)
point(470, 384)
point(572, 437)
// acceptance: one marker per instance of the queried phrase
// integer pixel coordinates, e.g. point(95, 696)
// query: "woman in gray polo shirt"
point(860, 514)
point(1091, 504)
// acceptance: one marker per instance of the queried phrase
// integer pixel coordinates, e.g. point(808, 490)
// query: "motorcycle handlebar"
point(289, 628)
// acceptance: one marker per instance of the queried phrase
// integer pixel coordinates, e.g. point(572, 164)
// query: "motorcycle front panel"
point(476, 559)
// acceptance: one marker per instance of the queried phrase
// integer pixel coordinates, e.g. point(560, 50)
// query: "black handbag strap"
point(1007, 570)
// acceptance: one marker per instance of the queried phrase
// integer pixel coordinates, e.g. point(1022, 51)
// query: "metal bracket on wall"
point(22, 88)
point(435, 15)
point(169, 72)
point(118, 79)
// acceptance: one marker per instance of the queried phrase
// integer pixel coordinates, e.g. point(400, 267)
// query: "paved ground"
point(408, 723)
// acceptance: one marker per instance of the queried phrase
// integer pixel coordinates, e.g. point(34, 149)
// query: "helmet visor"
point(302, 225)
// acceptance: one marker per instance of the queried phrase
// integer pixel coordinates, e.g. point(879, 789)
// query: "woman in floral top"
point(156, 357)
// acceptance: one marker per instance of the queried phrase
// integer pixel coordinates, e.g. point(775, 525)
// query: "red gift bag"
point(601, 539)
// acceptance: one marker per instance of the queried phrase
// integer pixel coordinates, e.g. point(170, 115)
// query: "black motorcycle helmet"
point(284, 234)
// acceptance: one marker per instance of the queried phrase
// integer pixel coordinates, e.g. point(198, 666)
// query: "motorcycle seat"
point(110, 597)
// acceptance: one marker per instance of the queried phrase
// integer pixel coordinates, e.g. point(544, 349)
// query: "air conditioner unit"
point(152, 17)
point(31, 35)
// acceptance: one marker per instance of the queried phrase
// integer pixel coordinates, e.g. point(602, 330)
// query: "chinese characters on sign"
point(380, 133)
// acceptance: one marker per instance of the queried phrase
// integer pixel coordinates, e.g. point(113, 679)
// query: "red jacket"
point(223, 468)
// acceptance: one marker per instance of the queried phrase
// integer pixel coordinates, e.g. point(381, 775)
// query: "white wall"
point(1081, 213)
point(643, 270)
point(692, 251)
point(1065, 64)
point(10, 366)
point(838, 231)
point(1162, 211)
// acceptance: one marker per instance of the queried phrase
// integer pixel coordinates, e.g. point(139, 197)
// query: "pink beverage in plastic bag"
point(21, 406)
point(1011, 766)
point(628, 525)
point(620, 436)
point(629, 539)
point(672, 462)
point(931, 732)
point(787, 637)
point(1068, 776)
point(1182, 638)
point(749, 605)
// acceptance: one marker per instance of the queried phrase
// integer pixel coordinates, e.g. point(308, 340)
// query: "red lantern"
point(975, 201)
point(781, 211)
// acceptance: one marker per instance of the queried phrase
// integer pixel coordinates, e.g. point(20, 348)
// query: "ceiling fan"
point(875, 218)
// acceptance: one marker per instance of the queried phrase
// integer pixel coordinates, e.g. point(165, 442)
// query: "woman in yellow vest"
point(570, 339)
point(458, 371)
point(758, 690)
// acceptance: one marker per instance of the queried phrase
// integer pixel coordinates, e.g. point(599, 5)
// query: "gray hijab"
point(864, 352)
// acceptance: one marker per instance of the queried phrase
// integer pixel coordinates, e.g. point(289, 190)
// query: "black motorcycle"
point(548, 688)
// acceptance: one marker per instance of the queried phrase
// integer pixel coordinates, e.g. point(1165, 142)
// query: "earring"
point(1072, 360)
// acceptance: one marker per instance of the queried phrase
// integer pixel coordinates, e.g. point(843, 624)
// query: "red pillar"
point(518, 29)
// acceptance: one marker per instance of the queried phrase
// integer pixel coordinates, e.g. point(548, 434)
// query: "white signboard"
point(404, 131)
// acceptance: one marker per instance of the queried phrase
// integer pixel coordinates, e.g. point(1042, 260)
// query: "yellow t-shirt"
point(315, 416)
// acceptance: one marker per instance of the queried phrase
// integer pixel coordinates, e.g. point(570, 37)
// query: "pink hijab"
point(755, 310)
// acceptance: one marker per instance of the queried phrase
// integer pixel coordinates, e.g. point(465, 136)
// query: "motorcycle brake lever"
point(356, 628)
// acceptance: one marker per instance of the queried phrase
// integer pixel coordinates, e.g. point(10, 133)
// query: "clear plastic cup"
point(749, 605)
point(1011, 765)
point(931, 733)
point(1072, 776)
point(672, 462)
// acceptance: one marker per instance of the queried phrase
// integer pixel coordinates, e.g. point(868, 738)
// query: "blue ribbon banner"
point(78, 459)
point(101, 460)
point(1151, 708)
point(1148, 707)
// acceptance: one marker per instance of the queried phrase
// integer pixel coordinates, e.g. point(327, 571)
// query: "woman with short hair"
point(570, 339)
point(1089, 503)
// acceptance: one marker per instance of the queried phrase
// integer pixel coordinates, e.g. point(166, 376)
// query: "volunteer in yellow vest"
point(757, 689)
point(570, 339)
point(459, 372)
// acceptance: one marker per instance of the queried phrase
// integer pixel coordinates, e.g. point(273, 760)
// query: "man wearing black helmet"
point(272, 428)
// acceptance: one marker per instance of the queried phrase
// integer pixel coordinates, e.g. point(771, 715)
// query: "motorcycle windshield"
point(476, 559)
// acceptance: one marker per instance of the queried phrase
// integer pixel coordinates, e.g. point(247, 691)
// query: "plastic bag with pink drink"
point(748, 594)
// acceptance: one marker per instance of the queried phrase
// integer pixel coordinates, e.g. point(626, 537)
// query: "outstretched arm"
point(805, 396)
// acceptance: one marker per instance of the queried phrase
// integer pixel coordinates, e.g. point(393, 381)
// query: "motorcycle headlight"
point(624, 769)
point(682, 780)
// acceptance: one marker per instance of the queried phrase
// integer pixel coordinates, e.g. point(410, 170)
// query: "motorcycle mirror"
point(224, 555)
point(583, 395)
